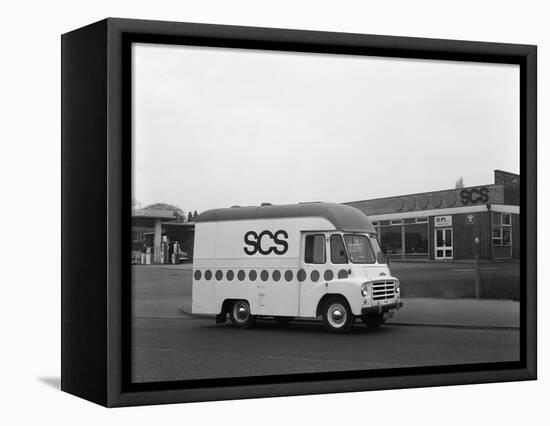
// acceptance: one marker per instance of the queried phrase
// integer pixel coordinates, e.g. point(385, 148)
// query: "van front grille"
point(383, 290)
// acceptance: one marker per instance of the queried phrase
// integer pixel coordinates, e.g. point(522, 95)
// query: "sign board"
point(470, 219)
point(443, 221)
point(474, 195)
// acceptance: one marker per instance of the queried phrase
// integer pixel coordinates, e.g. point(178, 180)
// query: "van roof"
point(343, 217)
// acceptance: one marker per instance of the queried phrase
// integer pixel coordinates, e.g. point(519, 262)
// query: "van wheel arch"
point(337, 315)
point(227, 304)
point(324, 299)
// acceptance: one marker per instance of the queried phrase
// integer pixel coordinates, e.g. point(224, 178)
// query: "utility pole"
point(477, 271)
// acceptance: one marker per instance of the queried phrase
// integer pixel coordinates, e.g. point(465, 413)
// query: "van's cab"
point(297, 261)
point(357, 269)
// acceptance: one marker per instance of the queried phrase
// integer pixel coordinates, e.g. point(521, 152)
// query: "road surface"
point(169, 345)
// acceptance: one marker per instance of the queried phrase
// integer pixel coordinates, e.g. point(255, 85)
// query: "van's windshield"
point(363, 249)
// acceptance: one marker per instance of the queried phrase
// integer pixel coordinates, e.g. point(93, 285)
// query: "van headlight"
point(365, 289)
point(397, 287)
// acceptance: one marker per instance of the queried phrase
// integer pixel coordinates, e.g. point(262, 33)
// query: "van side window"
point(337, 250)
point(315, 249)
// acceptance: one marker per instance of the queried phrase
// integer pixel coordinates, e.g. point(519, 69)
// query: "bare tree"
point(136, 204)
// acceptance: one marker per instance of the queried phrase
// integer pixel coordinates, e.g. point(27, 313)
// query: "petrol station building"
point(439, 225)
point(161, 236)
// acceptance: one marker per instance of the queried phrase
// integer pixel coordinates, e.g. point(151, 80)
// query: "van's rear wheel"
point(240, 314)
point(337, 315)
point(373, 320)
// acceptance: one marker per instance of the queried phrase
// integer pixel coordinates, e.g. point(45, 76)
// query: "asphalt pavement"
point(170, 344)
point(188, 348)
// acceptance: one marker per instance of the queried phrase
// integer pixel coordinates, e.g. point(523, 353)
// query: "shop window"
point(421, 220)
point(137, 236)
point(506, 240)
point(315, 249)
point(416, 239)
point(407, 221)
point(390, 239)
point(497, 236)
point(502, 225)
point(396, 222)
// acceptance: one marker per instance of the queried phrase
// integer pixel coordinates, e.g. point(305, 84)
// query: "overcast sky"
point(215, 127)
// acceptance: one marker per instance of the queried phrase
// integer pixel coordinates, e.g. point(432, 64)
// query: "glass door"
point(444, 243)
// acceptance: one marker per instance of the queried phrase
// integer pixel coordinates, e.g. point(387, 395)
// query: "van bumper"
point(381, 308)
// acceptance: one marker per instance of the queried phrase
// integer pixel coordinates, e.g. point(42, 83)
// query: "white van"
point(291, 261)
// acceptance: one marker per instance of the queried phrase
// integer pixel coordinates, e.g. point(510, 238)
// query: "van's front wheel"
point(240, 314)
point(337, 315)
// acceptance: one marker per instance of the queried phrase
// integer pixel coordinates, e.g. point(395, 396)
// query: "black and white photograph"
point(300, 212)
point(278, 212)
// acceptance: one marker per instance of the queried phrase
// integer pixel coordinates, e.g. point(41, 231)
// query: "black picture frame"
point(96, 118)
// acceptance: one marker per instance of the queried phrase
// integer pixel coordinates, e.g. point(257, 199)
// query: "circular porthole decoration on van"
point(301, 275)
point(329, 275)
point(289, 275)
point(219, 275)
point(241, 275)
point(342, 274)
point(315, 276)
point(208, 275)
point(276, 275)
point(230, 275)
point(197, 275)
point(253, 275)
point(264, 275)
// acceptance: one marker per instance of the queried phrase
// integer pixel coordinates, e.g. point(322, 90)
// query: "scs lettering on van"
point(293, 261)
point(277, 242)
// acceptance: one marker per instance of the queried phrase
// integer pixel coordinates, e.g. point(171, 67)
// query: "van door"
point(313, 270)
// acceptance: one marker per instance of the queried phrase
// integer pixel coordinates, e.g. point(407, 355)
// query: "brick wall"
point(506, 178)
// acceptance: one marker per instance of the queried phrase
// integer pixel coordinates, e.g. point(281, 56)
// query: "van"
point(292, 261)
